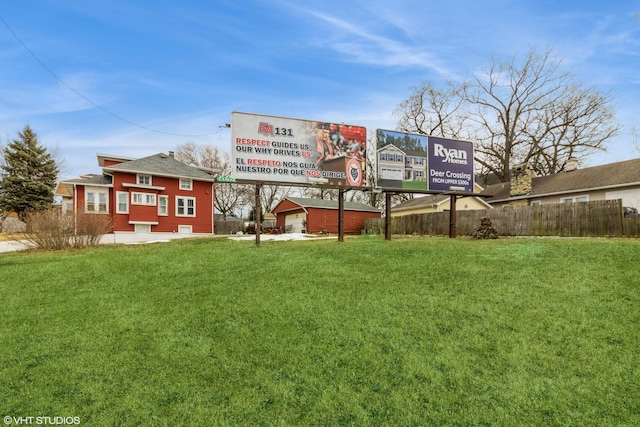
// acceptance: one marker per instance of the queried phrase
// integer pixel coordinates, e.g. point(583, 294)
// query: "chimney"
point(521, 177)
point(571, 165)
point(172, 154)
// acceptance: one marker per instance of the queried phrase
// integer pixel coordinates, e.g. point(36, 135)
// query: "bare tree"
point(529, 112)
point(228, 197)
point(271, 195)
point(200, 155)
point(322, 193)
point(433, 111)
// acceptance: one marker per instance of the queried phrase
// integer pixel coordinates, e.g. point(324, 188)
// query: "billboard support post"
point(452, 217)
point(387, 216)
point(341, 215)
point(258, 212)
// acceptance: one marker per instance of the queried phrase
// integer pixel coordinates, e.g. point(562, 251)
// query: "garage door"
point(295, 221)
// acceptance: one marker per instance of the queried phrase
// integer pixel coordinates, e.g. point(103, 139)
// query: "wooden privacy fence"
point(229, 226)
point(601, 218)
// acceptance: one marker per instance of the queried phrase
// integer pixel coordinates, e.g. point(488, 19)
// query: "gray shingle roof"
point(92, 179)
point(618, 174)
point(331, 204)
point(163, 165)
point(420, 202)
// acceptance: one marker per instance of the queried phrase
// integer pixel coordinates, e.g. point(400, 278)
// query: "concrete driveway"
point(13, 245)
point(141, 238)
point(122, 238)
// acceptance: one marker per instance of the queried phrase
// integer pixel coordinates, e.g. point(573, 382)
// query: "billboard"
point(295, 151)
point(450, 165)
point(419, 162)
point(401, 160)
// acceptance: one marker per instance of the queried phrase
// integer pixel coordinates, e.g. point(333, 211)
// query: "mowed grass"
point(408, 332)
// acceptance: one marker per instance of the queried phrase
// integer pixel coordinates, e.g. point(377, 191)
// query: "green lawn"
point(408, 332)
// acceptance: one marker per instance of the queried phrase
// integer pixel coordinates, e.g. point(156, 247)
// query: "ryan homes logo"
point(450, 155)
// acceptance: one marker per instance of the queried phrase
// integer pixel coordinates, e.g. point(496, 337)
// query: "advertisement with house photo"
point(419, 162)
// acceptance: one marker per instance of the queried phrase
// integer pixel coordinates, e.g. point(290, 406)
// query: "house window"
point(185, 229)
point(383, 156)
point(398, 157)
point(146, 199)
point(186, 184)
point(144, 179)
point(123, 202)
point(419, 160)
point(91, 202)
point(185, 206)
point(102, 202)
point(163, 205)
point(96, 201)
point(575, 199)
point(142, 228)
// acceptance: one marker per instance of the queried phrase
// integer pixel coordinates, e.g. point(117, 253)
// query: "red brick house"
point(155, 194)
point(317, 216)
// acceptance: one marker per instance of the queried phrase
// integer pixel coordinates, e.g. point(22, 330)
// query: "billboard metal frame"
point(267, 143)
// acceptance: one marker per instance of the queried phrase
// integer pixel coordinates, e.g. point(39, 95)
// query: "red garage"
point(297, 215)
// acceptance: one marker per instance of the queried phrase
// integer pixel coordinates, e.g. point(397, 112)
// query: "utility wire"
point(43, 65)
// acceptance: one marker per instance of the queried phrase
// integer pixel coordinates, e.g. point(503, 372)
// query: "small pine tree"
point(28, 175)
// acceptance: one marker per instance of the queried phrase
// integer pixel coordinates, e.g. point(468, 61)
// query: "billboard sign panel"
point(450, 165)
point(419, 162)
point(290, 151)
point(401, 160)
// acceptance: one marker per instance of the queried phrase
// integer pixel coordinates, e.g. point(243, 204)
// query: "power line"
point(111, 113)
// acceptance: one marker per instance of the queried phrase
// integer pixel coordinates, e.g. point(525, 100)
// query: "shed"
point(317, 215)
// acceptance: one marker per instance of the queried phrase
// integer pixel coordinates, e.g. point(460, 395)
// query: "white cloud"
point(360, 44)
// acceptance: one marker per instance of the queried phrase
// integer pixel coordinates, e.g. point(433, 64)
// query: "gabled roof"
point(612, 175)
point(331, 204)
point(429, 201)
point(162, 165)
point(412, 153)
point(64, 189)
point(390, 147)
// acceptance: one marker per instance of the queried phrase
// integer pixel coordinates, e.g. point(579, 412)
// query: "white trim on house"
point(163, 209)
point(147, 187)
point(188, 209)
point(182, 184)
point(125, 201)
point(144, 179)
point(575, 199)
point(145, 199)
point(98, 198)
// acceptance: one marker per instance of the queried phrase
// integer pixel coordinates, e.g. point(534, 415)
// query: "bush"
point(51, 229)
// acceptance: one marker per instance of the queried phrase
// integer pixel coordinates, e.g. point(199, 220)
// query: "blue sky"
point(138, 78)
